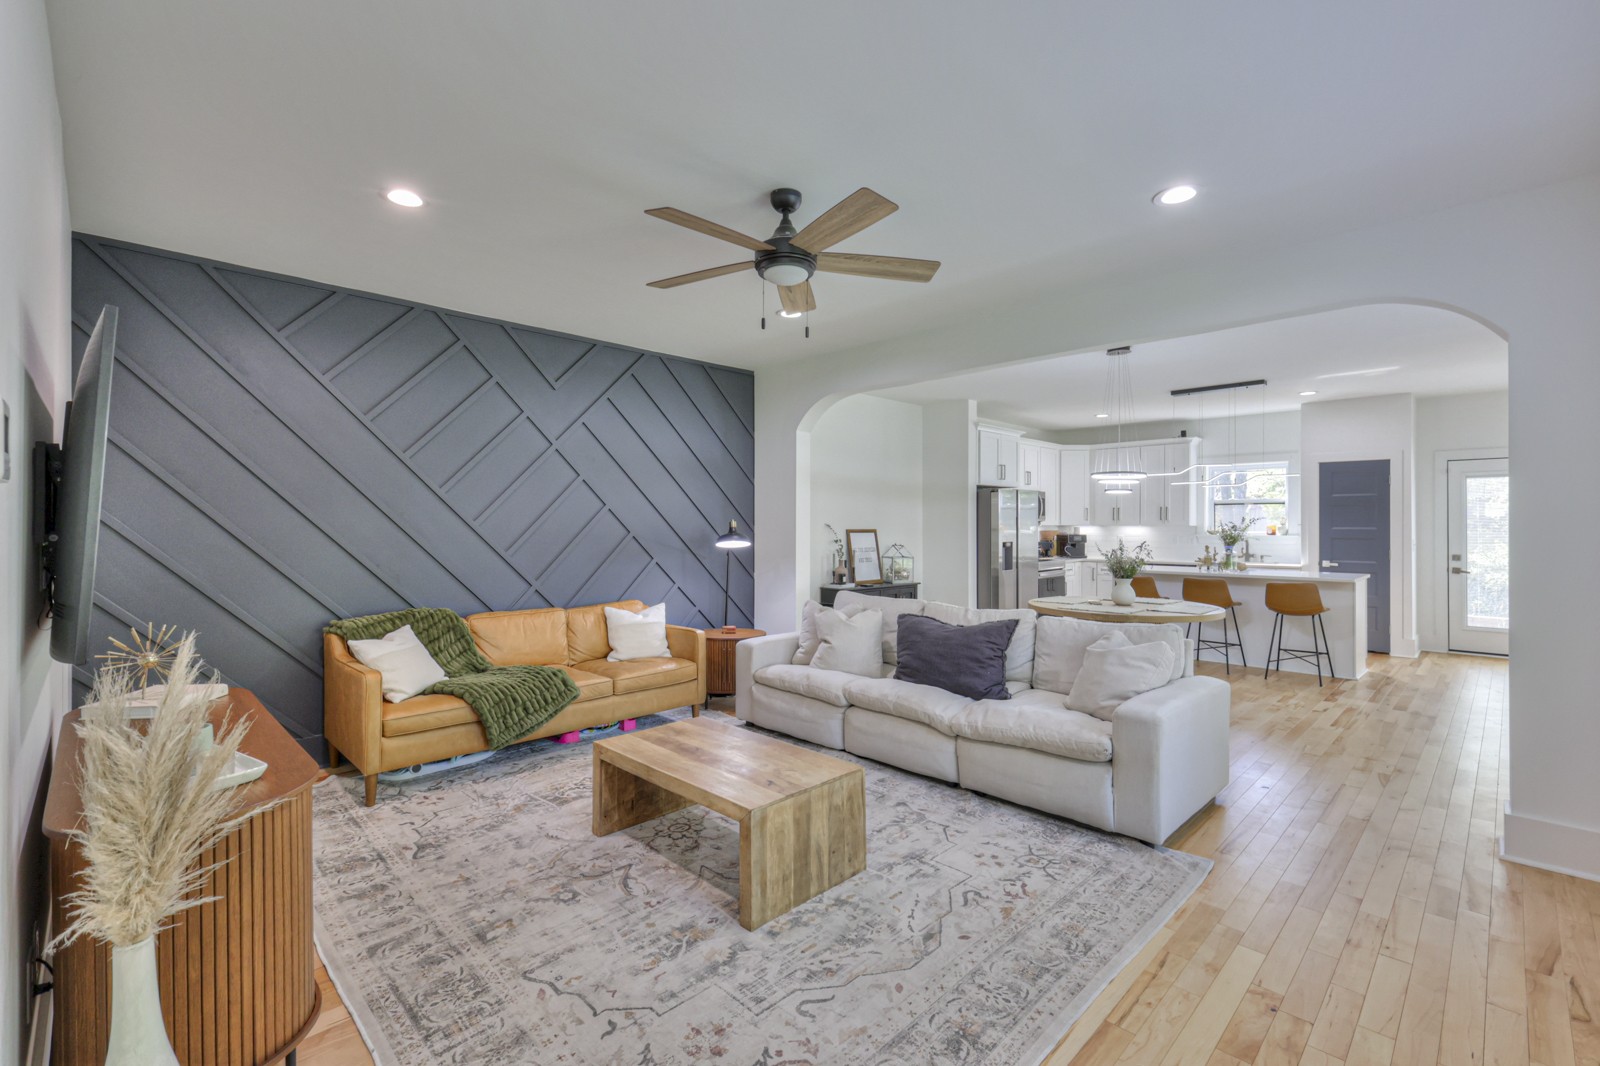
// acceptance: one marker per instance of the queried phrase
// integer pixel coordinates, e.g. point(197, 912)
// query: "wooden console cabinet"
point(237, 975)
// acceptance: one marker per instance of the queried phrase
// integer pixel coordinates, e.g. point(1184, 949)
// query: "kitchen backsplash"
point(1176, 546)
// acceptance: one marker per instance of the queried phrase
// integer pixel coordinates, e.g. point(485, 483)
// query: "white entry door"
point(1479, 565)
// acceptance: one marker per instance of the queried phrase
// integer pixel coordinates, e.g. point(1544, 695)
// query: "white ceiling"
point(1023, 141)
point(1358, 351)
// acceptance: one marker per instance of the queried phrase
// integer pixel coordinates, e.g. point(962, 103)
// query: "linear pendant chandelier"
point(1124, 470)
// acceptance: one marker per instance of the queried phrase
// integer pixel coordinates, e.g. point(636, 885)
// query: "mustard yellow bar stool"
point(1215, 591)
point(1297, 599)
point(1146, 587)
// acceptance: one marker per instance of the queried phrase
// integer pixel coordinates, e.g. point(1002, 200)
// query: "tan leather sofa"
point(377, 736)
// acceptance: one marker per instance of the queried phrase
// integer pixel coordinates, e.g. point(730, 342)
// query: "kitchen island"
point(1344, 595)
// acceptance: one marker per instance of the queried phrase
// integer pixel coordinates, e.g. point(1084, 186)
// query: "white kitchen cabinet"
point(1028, 457)
point(1152, 491)
point(1073, 508)
point(1113, 510)
point(1155, 501)
point(1049, 483)
point(1074, 576)
point(997, 458)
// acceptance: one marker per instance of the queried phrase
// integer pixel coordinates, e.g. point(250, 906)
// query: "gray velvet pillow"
point(967, 660)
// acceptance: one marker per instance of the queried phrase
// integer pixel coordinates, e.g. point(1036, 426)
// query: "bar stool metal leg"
point(1237, 632)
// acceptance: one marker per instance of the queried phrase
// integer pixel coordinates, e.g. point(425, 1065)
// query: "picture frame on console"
point(861, 548)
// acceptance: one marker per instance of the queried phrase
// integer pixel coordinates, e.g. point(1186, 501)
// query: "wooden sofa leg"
point(372, 790)
point(333, 757)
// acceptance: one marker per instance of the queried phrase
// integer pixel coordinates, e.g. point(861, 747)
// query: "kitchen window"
point(1249, 490)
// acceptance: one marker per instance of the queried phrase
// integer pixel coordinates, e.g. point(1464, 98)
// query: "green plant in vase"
point(1124, 563)
point(1231, 534)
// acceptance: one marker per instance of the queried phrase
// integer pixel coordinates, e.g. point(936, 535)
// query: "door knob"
point(1458, 570)
point(1327, 563)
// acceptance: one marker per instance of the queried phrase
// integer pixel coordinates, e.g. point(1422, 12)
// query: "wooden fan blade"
point(877, 266)
point(710, 229)
point(701, 275)
point(851, 215)
point(797, 297)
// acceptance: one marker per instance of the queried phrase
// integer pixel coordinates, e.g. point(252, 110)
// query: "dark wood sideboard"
point(905, 590)
point(238, 975)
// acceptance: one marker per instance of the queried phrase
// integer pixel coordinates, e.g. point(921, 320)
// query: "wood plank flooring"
point(1357, 915)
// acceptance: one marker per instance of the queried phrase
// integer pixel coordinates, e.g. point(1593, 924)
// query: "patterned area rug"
point(471, 917)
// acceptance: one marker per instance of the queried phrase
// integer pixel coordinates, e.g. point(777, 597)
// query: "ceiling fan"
point(788, 258)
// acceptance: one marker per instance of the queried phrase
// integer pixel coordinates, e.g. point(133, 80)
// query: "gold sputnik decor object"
point(151, 652)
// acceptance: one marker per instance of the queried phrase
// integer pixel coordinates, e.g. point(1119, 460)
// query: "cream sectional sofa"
point(1162, 757)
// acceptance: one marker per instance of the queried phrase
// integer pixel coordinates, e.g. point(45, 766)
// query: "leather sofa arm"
point(753, 654)
point(686, 642)
point(1169, 755)
point(352, 706)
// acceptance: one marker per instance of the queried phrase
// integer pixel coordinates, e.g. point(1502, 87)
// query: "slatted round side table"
point(720, 653)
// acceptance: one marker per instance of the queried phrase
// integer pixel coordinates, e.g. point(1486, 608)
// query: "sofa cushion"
point(1019, 654)
point(1061, 642)
point(521, 638)
point(420, 714)
point(808, 629)
point(637, 675)
point(1039, 721)
point(916, 703)
point(1115, 670)
point(591, 686)
point(825, 685)
point(967, 660)
point(586, 630)
point(892, 608)
point(851, 643)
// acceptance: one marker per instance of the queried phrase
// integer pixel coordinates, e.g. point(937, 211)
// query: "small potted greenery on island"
point(1231, 534)
point(1125, 564)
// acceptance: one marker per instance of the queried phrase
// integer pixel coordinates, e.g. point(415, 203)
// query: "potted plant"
point(1231, 534)
point(1125, 564)
point(151, 809)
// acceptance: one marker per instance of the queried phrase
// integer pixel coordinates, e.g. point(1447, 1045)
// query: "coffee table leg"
point(799, 847)
point(621, 799)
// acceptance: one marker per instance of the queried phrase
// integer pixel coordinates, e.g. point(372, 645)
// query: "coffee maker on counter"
point(1072, 545)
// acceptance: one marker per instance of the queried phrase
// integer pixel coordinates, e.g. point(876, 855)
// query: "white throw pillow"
point(851, 644)
point(1115, 670)
point(637, 635)
point(405, 664)
point(893, 608)
point(808, 629)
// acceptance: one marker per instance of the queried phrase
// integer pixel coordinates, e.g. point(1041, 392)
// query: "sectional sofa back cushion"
point(850, 644)
point(892, 609)
point(1061, 642)
point(1019, 653)
point(586, 630)
point(1115, 670)
point(521, 638)
point(808, 628)
point(969, 660)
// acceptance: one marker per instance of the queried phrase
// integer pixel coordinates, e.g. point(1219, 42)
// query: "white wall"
point(1470, 425)
point(949, 503)
point(1372, 427)
point(34, 365)
point(1468, 257)
point(866, 473)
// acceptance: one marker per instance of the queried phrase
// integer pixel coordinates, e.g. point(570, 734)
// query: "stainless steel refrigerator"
point(1008, 546)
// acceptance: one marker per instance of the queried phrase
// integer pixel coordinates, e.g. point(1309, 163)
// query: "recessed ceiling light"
point(1178, 194)
point(404, 197)
point(790, 314)
point(1309, 392)
point(1103, 414)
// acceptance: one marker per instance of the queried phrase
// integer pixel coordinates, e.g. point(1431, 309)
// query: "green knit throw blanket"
point(511, 701)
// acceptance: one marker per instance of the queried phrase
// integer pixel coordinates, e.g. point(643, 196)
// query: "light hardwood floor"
point(1357, 914)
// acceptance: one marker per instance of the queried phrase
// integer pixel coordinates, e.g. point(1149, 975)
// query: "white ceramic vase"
point(1122, 592)
point(138, 1035)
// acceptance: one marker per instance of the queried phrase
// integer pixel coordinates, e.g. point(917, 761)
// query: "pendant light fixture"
point(1123, 470)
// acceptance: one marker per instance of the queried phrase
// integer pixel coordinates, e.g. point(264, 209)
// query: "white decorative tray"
point(245, 769)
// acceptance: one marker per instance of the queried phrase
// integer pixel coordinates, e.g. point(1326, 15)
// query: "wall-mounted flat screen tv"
point(69, 483)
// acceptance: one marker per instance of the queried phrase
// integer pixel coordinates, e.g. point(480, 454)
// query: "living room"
point(419, 310)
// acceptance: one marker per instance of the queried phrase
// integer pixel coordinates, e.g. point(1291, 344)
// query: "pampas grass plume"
point(150, 810)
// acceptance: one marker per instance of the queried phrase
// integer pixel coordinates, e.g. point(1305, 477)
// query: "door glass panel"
point(1488, 554)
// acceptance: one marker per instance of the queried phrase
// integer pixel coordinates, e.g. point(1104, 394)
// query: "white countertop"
point(1185, 564)
point(1261, 572)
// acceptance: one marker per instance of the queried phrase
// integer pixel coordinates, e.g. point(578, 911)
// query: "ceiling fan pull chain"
point(763, 307)
point(808, 325)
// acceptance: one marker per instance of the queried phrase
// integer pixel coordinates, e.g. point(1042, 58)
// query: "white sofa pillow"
point(892, 607)
point(405, 664)
point(637, 635)
point(808, 629)
point(1019, 653)
point(851, 644)
point(1059, 645)
point(1115, 670)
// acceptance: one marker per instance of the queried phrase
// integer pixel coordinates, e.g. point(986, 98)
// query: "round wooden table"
point(720, 646)
point(1095, 609)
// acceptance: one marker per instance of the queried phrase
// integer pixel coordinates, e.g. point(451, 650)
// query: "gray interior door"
point(1353, 533)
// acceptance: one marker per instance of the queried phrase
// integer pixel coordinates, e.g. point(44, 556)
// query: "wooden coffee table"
point(802, 815)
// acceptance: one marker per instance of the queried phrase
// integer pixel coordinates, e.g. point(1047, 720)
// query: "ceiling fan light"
point(790, 314)
point(785, 274)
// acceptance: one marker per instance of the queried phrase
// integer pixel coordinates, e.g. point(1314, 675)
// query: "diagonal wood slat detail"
point(285, 447)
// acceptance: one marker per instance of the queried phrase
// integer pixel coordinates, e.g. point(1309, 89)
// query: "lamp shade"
point(733, 538)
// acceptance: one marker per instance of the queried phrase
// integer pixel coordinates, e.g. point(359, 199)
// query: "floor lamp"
point(728, 542)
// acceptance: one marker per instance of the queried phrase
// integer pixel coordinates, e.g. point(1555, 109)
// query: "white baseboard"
point(1554, 846)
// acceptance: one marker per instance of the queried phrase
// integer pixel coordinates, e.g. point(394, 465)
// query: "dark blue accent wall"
point(285, 452)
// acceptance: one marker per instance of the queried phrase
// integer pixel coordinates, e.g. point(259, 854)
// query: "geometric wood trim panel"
point(285, 452)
